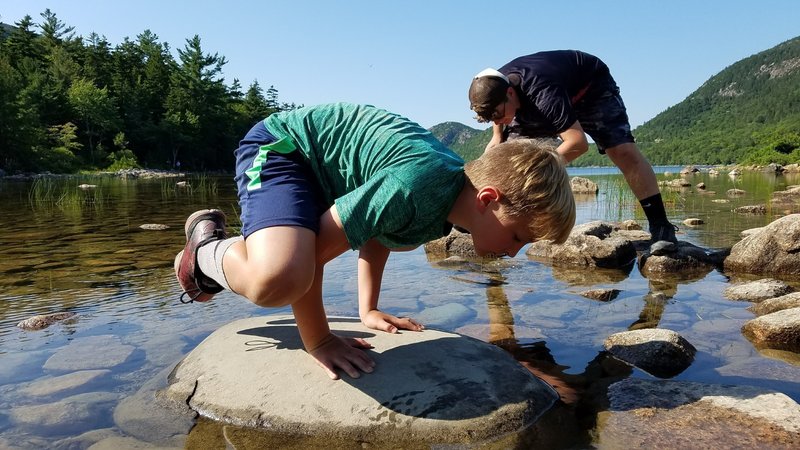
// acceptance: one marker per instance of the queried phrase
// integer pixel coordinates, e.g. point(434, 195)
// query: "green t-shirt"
point(389, 178)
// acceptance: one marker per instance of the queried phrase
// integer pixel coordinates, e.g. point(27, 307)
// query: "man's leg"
point(642, 180)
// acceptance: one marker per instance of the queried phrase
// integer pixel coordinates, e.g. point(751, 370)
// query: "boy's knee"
point(279, 288)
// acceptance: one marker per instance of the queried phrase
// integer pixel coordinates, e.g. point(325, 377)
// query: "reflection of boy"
point(569, 93)
point(317, 181)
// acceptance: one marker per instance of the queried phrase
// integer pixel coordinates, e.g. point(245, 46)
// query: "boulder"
point(756, 291)
point(455, 243)
point(593, 244)
point(662, 353)
point(428, 387)
point(684, 261)
point(582, 185)
point(677, 414)
point(779, 330)
point(771, 305)
point(774, 249)
point(758, 210)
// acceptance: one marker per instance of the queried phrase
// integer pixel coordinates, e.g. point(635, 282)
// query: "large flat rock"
point(429, 386)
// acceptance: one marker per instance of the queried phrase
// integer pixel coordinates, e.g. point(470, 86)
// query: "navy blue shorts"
point(288, 193)
point(602, 115)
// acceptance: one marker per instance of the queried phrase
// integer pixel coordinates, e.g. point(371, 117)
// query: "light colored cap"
point(489, 72)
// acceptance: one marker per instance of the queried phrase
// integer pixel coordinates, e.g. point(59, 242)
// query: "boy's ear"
point(486, 195)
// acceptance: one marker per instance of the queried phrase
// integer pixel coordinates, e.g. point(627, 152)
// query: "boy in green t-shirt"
point(317, 181)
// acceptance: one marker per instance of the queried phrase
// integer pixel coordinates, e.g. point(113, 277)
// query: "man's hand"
point(378, 320)
point(337, 352)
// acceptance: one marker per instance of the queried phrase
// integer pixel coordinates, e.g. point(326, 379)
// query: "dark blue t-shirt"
point(549, 84)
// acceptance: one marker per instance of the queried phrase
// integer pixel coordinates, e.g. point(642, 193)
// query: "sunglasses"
point(496, 114)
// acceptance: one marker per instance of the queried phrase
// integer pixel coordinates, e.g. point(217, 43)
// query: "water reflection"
point(93, 259)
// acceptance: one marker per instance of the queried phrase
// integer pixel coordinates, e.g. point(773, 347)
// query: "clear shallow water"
point(88, 255)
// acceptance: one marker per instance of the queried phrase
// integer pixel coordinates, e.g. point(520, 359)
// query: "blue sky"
point(416, 58)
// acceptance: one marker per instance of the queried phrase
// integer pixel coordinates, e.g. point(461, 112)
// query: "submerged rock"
point(427, 387)
point(44, 320)
point(676, 414)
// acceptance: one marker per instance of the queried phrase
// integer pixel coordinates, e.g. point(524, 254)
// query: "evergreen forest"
point(71, 103)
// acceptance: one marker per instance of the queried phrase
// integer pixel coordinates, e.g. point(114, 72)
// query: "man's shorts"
point(287, 193)
point(602, 115)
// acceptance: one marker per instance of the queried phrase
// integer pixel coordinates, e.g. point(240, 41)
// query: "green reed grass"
point(64, 194)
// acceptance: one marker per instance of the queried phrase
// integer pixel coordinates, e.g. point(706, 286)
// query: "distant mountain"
point(467, 142)
point(5, 29)
point(747, 113)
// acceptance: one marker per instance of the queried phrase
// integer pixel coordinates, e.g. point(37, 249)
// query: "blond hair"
point(533, 180)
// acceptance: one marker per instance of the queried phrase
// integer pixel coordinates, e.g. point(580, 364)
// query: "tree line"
point(70, 103)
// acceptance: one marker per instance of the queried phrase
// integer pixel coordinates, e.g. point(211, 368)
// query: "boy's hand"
point(343, 353)
point(378, 320)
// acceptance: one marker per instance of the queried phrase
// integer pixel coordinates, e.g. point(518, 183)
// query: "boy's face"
point(496, 234)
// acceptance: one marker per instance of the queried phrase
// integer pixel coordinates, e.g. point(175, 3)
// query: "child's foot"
point(201, 228)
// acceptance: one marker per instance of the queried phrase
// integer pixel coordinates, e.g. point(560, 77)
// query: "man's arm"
point(371, 262)
point(497, 136)
point(573, 143)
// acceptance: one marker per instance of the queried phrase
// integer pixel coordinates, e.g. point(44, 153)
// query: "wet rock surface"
point(772, 305)
point(756, 291)
point(673, 414)
point(42, 321)
point(660, 352)
point(593, 244)
point(779, 330)
point(432, 386)
point(774, 249)
point(94, 352)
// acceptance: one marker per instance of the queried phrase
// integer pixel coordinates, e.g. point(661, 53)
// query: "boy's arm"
point(371, 262)
point(328, 350)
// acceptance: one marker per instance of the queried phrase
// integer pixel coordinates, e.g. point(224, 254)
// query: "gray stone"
point(662, 353)
point(735, 192)
point(582, 185)
point(693, 221)
point(50, 385)
point(686, 260)
point(756, 291)
point(751, 209)
point(455, 243)
point(593, 244)
point(146, 416)
point(71, 415)
point(779, 330)
point(445, 316)
point(603, 295)
point(771, 305)
point(775, 249)
point(129, 443)
point(94, 352)
point(154, 226)
point(674, 414)
point(429, 386)
point(44, 320)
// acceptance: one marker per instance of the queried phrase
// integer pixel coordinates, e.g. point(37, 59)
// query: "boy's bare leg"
point(273, 266)
point(278, 266)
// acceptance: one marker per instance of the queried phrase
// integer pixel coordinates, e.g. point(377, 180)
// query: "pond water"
point(83, 251)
